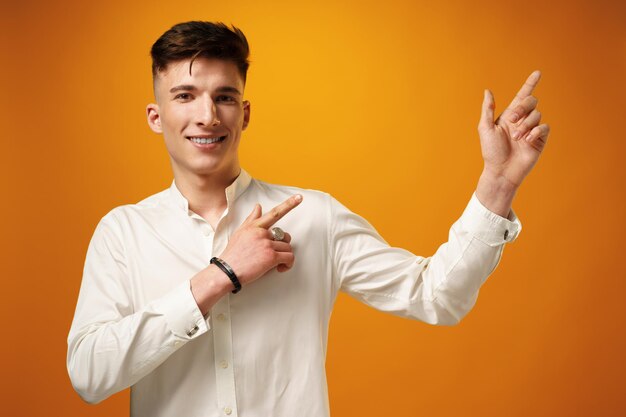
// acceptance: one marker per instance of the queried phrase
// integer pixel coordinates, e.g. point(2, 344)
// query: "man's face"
point(201, 116)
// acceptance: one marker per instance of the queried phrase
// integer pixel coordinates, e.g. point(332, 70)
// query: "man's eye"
point(182, 96)
point(225, 98)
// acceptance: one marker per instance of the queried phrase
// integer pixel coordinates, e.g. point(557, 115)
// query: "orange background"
point(376, 103)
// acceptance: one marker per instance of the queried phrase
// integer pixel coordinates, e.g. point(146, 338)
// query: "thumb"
point(256, 213)
point(486, 116)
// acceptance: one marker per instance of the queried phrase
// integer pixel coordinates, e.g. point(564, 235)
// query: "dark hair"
point(200, 39)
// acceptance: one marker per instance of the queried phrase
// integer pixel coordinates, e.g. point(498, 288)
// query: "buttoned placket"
point(215, 243)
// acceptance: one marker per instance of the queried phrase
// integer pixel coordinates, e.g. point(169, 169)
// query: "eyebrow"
point(184, 87)
point(189, 87)
point(228, 89)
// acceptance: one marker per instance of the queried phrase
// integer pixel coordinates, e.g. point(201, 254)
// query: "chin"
point(206, 170)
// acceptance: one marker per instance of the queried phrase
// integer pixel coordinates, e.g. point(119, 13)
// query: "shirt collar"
point(233, 191)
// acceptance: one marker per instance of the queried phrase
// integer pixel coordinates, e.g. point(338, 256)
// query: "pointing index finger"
point(527, 88)
point(277, 213)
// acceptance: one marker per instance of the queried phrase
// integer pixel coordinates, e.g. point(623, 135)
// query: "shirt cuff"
point(487, 226)
point(182, 313)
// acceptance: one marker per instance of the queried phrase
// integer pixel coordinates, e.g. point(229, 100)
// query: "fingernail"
point(529, 137)
point(298, 198)
point(514, 117)
point(516, 135)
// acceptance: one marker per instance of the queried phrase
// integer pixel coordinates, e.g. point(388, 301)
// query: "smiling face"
point(201, 116)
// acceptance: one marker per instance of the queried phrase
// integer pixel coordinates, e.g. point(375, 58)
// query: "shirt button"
point(224, 364)
point(192, 331)
point(206, 230)
point(228, 411)
point(221, 317)
point(177, 343)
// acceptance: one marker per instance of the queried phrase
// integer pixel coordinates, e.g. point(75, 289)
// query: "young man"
point(160, 309)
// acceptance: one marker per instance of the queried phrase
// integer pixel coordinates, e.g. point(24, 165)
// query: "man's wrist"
point(496, 193)
point(209, 286)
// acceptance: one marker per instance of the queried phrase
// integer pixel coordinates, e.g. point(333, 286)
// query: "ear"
point(154, 118)
point(246, 114)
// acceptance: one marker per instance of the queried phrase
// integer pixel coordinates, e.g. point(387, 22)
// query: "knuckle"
point(530, 124)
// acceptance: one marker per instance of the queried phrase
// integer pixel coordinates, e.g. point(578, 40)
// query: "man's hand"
point(251, 252)
point(510, 146)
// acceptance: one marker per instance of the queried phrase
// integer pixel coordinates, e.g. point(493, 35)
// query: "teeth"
point(205, 140)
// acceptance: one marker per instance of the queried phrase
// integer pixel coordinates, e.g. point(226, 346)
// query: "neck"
point(206, 193)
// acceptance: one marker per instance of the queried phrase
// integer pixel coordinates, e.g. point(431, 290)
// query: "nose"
point(207, 114)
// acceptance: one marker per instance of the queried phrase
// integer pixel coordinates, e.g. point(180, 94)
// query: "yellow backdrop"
point(376, 103)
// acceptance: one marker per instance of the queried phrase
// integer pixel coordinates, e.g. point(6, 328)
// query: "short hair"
point(200, 39)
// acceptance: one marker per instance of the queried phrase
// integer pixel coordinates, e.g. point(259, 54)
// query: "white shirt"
point(260, 352)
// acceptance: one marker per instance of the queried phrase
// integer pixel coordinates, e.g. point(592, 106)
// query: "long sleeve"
point(111, 346)
point(440, 289)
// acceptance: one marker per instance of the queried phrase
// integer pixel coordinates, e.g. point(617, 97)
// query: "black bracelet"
point(228, 271)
